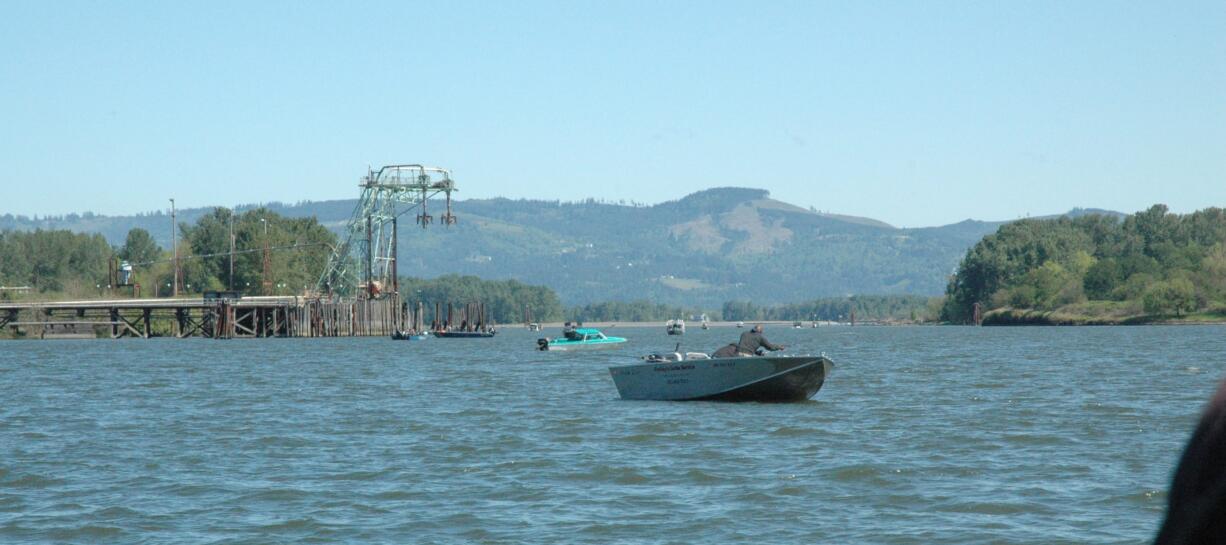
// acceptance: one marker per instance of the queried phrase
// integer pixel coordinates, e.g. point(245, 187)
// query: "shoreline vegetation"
point(1076, 316)
point(1152, 267)
point(59, 265)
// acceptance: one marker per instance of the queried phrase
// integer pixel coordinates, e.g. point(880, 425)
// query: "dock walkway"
point(252, 317)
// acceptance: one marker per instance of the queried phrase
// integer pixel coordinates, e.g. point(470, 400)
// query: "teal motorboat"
point(582, 338)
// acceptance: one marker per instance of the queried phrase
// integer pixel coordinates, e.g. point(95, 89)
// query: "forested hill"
point(702, 250)
point(1096, 269)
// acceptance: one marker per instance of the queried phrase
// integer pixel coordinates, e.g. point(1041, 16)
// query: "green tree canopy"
point(52, 261)
point(865, 307)
point(297, 249)
point(139, 247)
point(505, 300)
point(1153, 255)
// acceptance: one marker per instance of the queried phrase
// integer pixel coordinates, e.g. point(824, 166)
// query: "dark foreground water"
point(921, 435)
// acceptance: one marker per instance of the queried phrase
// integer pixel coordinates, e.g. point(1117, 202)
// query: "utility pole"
point(174, 240)
point(266, 280)
point(370, 262)
point(231, 250)
point(395, 260)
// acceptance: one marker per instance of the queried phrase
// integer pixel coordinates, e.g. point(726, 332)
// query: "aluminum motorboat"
point(698, 377)
point(462, 334)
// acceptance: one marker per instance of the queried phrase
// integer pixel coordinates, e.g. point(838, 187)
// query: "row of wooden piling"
point(315, 318)
point(229, 319)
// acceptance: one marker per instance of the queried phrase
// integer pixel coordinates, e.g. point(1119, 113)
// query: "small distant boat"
point(705, 326)
point(531, 324)
point(580, 339)
point(675, 327)
point(415, 326)
point(457, 334)
point(409, 336)
point(740, 324)
point(698, 377)
point(473, 324)
point(796, 325)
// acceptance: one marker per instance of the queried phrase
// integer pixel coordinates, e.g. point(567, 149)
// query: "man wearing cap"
point(748, 345)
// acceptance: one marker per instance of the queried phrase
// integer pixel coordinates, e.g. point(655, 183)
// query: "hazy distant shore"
point(689, 325)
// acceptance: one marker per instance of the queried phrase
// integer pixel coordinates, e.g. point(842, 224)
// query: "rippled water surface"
point(921, 435)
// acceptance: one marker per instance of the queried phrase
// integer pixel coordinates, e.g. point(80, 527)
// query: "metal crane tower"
point(364, 263)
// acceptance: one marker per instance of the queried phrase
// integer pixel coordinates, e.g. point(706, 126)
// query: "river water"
point(921, 435)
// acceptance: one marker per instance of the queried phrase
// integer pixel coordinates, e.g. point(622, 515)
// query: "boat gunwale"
point(815, 360)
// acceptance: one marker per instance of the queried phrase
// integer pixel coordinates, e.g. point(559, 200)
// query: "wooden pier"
point(246, 317)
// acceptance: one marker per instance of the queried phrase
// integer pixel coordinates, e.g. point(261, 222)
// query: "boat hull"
point(578, 346)
point(398, 336)
point(763, 379)
point(463, 334)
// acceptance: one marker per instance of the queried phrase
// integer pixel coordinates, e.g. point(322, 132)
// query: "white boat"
point(675, 327)
point(531, 324)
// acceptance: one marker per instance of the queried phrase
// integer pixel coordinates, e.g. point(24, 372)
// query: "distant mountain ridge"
point(712, 246)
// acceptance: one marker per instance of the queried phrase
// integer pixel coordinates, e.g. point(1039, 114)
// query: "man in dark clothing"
point(569, 330)
point(752, 340)
point(1196, 504)
point(728, 351)
point(748, 345)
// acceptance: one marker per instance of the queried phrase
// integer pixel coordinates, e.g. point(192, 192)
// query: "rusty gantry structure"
point(364, 263)
point(358, 294)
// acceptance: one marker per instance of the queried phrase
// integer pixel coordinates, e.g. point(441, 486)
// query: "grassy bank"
point(1099, 313)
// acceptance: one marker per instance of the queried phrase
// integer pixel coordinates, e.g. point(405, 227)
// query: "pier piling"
point(248, 317)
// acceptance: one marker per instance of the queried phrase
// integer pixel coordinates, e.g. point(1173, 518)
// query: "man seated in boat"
point(748, 345)
point(570, 331)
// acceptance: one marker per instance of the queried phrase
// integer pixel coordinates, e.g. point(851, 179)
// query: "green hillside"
point(702, 250)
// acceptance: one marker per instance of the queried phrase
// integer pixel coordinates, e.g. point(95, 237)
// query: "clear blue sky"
point(916, 113)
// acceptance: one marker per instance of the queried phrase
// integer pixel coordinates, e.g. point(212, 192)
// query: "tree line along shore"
point(1150, 267)
point(51, 265)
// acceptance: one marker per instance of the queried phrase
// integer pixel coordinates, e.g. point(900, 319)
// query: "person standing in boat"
point(748, 345)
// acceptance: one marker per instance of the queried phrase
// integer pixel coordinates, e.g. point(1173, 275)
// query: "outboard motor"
point(542, 343)
point(657, 357)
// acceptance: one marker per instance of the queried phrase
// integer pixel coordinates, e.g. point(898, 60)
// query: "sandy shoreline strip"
point(660, 324)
